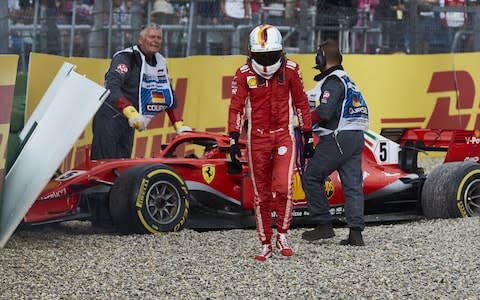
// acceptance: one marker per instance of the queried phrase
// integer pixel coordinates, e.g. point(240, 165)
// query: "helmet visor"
point(266, 58)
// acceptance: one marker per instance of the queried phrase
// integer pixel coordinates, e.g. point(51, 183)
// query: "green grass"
point(16, 119)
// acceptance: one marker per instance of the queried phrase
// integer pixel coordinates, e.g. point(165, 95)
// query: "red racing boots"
point(265, 252)
point(282, 245)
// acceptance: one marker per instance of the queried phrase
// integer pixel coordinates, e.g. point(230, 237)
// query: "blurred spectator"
point(256, 7)
point(49, 36)
point(175, 44)
point(15, 40)
point(20, 42)
point(334, 16)
point(291, 7)
point(365, 20)
point(84, 12)
point(25, 3)
point(25, 14)
point(209, 13)
point(120, 12)
point(64, 9)
point(452, 21)
point(61, 18)
point(174, 12)
point(393, 16)
point(13, 6)
point(274, 11)
point(181, 8)
point(120, 21)
point(469, 39)
point(236, 12)
point(427, 26)
point(208, 10)
point(163, 12)
point(13, 10)
point(80, 45)
point(215, 40)
point(145, 9)
point(334, 19)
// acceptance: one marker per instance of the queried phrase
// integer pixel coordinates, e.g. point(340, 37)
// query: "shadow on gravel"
point(339, 222)
point(87, 228)
point(71, 227)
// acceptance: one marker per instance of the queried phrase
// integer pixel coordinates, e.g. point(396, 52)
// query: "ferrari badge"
point(208, 172)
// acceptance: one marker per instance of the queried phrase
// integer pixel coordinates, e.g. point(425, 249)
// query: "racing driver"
point(272, 86)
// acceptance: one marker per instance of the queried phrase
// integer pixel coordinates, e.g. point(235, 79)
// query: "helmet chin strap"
point(266, 71)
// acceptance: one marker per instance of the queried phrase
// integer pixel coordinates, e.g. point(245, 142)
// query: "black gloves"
point(308, 149)
point(234, 148)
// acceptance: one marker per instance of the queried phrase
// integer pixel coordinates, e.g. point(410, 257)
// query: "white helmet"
point(265, 38)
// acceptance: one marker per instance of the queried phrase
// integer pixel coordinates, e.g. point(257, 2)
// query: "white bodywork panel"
point(70, 103)
point(385, 150)
point(47, 98)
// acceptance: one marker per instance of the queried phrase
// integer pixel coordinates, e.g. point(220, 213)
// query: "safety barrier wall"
point(422, 91)
point(8, 73)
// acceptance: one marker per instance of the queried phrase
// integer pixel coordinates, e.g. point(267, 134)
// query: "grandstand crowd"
point(218, 27)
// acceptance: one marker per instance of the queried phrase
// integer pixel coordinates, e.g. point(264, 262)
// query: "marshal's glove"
point(308, 148)
point(234, 148)
point(135, 120)
point(180, 128)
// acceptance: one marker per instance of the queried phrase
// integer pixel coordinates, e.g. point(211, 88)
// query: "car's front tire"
point(149, 199)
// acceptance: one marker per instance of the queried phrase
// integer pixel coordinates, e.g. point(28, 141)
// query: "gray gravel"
point(428, 259)
point(434, 259)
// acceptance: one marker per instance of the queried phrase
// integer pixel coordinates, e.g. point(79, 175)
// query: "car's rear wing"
point(459, 145)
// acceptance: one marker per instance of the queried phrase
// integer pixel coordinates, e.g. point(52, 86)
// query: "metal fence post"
point(35, 23)
point(235, 41)
point(476, 29)
point(96, 40)
point(413, 28)
point(303, 27)
point(72, 28)
point(190, 28)
point(136, 21)
point(4, 38)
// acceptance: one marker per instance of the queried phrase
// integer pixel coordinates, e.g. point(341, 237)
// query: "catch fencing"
point(104, 28)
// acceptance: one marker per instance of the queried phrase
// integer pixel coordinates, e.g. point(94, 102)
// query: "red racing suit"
point(271, 142)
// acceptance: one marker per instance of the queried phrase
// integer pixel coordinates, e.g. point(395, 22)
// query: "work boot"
point(354, 238)
point(265, 252)
point(322, 231)
point(282, 245)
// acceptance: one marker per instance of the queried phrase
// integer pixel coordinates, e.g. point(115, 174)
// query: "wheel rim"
point(163, 202)
point(471, 198)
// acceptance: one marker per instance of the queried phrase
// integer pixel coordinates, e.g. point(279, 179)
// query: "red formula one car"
point(191, 182)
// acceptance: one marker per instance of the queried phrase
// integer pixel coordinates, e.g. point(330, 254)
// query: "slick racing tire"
point(452, 190)
point(149, 199)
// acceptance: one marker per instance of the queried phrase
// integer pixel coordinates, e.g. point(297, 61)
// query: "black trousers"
point(112, 136)
point(346, 158)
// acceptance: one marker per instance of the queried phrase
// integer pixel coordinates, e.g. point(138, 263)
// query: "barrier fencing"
point(190, 31)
